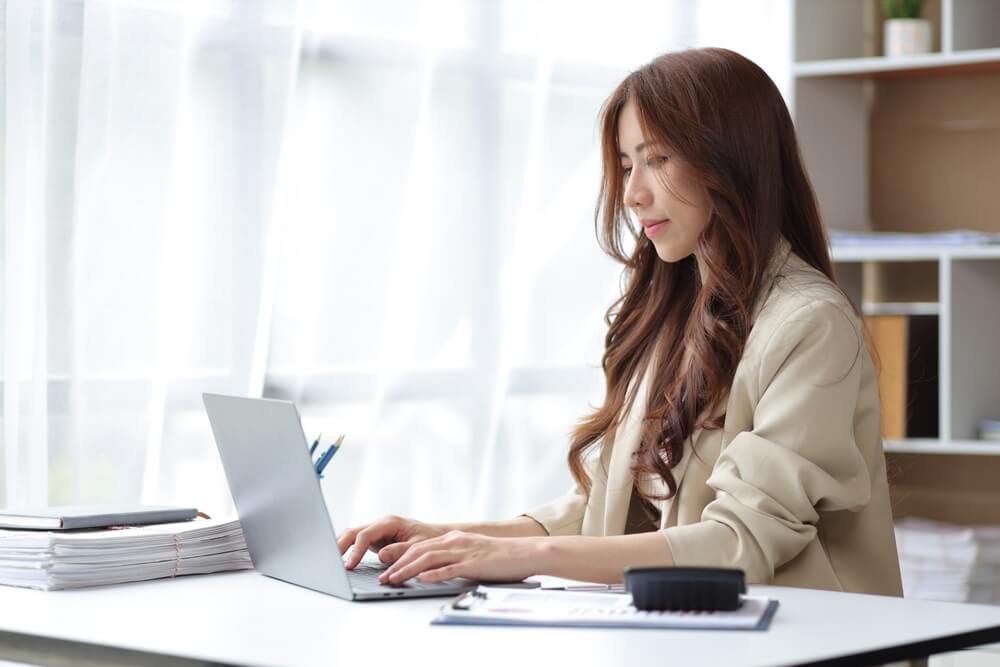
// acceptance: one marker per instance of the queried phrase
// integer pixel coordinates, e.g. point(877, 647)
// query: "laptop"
point(280, 504)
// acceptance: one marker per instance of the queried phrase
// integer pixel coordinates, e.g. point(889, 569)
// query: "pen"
point(312, 450)
point(599, 588)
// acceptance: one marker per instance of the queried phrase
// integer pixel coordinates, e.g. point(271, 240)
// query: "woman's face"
point(672, 217)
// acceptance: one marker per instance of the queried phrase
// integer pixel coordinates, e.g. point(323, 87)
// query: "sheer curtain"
point(380, 210)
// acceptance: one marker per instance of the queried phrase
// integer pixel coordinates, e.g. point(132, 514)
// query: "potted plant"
point(905, 32)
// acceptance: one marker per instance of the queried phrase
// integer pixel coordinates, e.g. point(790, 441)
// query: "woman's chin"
point(671, 253)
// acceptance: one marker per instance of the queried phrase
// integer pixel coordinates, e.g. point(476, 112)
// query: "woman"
point(740, 425)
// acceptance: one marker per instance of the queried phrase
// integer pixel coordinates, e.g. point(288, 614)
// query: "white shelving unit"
point(931, 63)
point(841, 84)
point(968, 310)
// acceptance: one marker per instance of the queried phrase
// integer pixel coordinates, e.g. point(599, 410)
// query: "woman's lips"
point(654, 228)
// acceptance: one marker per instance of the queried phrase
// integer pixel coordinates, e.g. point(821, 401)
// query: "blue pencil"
point(312, 450)
point(323, 460)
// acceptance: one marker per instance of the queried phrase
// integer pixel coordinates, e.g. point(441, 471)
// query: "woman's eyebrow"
point(638, 149)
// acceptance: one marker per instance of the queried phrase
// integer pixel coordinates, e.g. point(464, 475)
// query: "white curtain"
point(379, 210)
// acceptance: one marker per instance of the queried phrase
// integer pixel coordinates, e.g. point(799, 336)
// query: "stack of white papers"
point(941, 561)
point(57, 560)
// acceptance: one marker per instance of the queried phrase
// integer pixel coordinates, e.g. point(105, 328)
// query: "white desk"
point(245, 618)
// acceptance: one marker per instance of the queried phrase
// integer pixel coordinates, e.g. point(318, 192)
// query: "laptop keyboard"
point(365, 577)
point(366, 574)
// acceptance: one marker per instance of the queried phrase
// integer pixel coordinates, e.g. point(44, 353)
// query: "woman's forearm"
point(522, 526)
point(598, 559)
point(601, 559)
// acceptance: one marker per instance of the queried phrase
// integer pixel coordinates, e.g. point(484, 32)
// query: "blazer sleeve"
point(800, 457)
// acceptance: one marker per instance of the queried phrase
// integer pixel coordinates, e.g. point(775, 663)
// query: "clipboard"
point(488, 605)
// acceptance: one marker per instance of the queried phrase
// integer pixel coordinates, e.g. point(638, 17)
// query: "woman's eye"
point(626, 171)
point(659, 159)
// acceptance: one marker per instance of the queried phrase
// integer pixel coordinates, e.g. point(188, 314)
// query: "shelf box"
point(851, 29)
point(896, 287)
point(975, 24)
point(829, 30)
point(974, 300)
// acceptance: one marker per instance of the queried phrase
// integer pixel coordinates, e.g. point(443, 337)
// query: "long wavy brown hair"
point(724, 118)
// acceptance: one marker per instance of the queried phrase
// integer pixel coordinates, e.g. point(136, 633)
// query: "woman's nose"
point(636, 196)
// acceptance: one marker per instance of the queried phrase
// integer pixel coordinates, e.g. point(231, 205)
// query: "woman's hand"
point(458, 554)
point(390, 537)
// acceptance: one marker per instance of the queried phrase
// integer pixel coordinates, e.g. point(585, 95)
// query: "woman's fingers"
point(372, 534)
point(406, 557)
point(360, 545)
point(448, 545)
point(427, 561)
point(410, 555)
point(391, 553)
point(458, 554)
point(387, 532)
point(346, 539)
point(442, 573)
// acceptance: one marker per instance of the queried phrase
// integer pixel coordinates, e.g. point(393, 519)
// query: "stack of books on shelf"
point(941, 561)
point(989, 429)
point(907, 347)
point(53, 560)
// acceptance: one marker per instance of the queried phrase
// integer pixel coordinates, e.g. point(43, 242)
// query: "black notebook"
point(67, 517)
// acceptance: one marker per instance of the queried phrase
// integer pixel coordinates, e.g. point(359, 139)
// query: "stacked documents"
point(57, 560)
point(941, 561)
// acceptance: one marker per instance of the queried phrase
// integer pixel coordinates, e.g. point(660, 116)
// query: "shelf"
point(980, 60)
point(932, 446)
point(913, 253)
point(901, 308)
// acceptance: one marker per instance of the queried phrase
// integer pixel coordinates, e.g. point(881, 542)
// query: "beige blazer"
point(793, 488)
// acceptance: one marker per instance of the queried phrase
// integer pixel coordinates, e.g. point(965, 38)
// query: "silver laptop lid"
point(276, 491)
